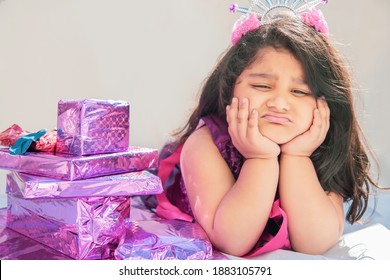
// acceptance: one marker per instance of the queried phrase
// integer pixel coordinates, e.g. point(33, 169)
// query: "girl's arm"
point(233, 213)
point(315, 218)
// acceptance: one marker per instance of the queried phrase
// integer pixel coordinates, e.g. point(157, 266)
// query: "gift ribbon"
point(23, 143)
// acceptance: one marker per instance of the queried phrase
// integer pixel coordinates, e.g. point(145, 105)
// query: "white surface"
point(372, 242)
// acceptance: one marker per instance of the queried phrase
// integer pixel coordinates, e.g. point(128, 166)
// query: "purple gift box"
point(16, 246)
point(91, 126)
point(133, 183)
point(69, 167)
point(164, 240)
point(79, 227)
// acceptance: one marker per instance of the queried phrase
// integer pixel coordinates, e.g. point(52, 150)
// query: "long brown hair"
point(341, 162)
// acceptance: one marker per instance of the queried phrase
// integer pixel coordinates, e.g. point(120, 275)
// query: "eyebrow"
point(274, 77)
point(262, 75)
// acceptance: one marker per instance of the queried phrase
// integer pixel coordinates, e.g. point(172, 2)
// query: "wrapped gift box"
point(91, 126)
point(69, 167)
point(16, 246)
point(163, 240)
point(79, 227)
point(133, 183)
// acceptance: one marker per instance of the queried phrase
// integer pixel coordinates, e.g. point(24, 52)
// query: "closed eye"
point(261, 86)
point(300, 92)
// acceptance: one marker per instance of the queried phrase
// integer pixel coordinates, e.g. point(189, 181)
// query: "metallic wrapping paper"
point(91, 126)
point(16, 246)
point(163, 240)
point(69, 167)
point(9, 136)
point(134, 183)
point(46, 143)
point(140, 212)
point(81, 228)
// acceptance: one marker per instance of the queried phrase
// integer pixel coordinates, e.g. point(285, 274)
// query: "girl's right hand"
point(245, 133)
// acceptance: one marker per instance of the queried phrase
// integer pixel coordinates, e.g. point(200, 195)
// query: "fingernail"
point(244, 101)
point(234, 100)
point(227, 107)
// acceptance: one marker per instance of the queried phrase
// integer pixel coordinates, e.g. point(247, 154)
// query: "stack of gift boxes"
point(77, 199)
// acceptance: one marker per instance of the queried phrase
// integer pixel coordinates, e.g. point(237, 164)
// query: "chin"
point(280, 141)
point(277, 138)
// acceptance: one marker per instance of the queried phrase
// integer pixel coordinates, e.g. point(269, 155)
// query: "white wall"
point(152, 53)
point(155, 54)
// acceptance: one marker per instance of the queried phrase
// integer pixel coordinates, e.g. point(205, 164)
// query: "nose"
point(279, 101)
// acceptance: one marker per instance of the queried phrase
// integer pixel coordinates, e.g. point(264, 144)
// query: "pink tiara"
point(262, 11)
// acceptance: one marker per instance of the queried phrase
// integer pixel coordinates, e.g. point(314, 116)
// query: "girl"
point(273, 148)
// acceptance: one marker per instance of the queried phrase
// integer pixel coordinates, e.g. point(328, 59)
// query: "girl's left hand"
point(305, 144)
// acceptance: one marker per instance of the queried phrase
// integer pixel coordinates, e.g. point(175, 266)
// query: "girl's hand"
point(245, 133)
point(305, 144)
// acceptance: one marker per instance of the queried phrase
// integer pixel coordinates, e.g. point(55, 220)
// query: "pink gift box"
point(81, 228)
point(133, 183)
point(69, 167)
point(164, 240)
point(82, 219)
point(16, 246)
point(91, 126)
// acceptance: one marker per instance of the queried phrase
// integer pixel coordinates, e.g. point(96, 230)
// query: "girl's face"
point(275, 85)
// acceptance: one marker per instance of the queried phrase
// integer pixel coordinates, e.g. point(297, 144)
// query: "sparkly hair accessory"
point(262, 11)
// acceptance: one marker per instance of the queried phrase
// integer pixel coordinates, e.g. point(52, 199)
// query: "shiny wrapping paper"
point(81, 219)
point(46, 143)
point(164, 240)
point(91, 126)
point(9, 136)
point(81, 228)
point(134, 183)
point(16, 246)
point(69, 167)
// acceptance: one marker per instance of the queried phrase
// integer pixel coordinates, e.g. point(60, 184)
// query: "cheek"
point(240, 92)
point(306, 119)
point(238, 88)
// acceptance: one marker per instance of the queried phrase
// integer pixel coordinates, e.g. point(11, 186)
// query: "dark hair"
point(341, 162)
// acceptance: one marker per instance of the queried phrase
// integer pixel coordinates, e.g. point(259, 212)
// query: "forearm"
point(313, 220)
point(244, 210)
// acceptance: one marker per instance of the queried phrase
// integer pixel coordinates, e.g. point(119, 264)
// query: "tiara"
point(263, 12)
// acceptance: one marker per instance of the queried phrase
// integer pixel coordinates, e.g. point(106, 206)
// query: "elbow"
point(315, 247)
point(236, 251)
point(316, 241)
point(236, 247)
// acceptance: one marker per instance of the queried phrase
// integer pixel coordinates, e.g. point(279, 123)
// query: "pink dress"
point(174, 204)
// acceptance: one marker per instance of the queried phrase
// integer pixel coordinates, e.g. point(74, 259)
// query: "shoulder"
point(200, 150)
point(199, 141)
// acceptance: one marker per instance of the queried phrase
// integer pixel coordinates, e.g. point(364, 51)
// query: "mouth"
point(272, 118)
